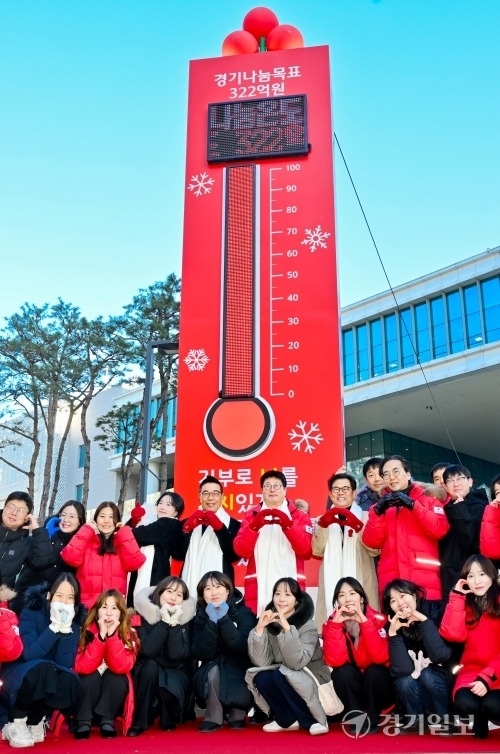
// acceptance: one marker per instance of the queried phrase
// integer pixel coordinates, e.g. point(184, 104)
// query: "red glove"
point(282, 519)
point(210, 519)
point(259, 520)
point(328, 518)
point(343, 517)
point(195, 519)
point(137, 513)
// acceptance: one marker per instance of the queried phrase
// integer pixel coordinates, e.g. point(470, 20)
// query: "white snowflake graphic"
point(196, 360)
point(315, 238)
point(300, 434)
point(201, 184)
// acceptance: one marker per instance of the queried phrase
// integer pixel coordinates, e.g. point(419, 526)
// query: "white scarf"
point(340, 556)
point(204, 553)
point(274, 558)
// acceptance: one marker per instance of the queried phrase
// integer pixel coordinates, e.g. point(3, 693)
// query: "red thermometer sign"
point(259, 374)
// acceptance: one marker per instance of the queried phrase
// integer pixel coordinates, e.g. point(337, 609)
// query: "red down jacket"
point(408, 540)
point(489, 538)
point(117, 656)
point(95, 572)
point(373, 646)
point(299, 535)
point(481, 655)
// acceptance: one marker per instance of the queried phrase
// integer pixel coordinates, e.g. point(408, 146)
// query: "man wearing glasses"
point(22, 542)
point(337, 541)
point(464, 512)
point(406, 525)
point(208, 536)
point(275, 537)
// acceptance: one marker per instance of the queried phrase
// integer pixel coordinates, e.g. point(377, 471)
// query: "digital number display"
point(272, 127)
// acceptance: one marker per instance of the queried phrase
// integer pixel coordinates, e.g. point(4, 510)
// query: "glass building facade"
point(421, 455)
point(443, 324)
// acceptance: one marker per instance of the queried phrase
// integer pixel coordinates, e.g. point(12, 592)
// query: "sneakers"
point(18, 734)
point(317, 729)
point(38, 731)
point(275, 728)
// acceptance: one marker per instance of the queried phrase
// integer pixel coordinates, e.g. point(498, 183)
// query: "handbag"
point(328, 697)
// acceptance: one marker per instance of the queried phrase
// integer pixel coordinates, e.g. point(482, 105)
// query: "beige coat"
point(365, 572)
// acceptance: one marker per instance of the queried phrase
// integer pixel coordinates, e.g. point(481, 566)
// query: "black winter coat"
point(462, 540)
point(224, 644)
point(422, 637)
point(166, 536)
point(21, 550)
point(30, 577)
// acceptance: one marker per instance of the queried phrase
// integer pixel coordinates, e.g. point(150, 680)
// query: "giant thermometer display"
point(259, 369)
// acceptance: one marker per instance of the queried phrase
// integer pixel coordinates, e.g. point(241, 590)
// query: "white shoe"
point(18, 734)
point(275, 728)
point(38, 731)
point(317, 729)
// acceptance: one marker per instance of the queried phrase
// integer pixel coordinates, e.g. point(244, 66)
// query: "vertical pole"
point(146, 425)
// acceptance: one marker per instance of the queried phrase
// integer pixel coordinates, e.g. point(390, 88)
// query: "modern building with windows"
point(421, 370)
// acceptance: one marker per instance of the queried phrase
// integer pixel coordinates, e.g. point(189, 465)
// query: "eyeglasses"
point(207, 495)
point(336, 490)
point(395, 472)
point(272, 487)
point(455, 479)
point(68, 516)
point(17, 511)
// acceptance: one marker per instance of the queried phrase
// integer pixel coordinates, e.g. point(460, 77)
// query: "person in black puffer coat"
point(163, 670)
point(220, 632)
point(61, 528)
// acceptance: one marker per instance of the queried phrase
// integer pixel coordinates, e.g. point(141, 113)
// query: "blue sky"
point(93, 98)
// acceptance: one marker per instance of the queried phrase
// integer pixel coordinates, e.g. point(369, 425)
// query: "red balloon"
point(239, 43)
point(284, 37)
point(260, 21)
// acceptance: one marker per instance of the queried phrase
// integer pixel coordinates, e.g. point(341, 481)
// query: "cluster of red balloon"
point(261, 31)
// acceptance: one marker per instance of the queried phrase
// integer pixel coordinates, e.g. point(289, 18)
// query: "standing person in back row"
point(207, 537)
point(276, 538)
point(464, 512)
point(406, 525)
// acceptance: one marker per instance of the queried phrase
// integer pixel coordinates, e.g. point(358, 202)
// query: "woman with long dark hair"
point(472, 616)
point(220, 632)
point(418, 655)
point(284, 646)
point(355, 645)
point(106, 653)
point(103, 552)
point(163, 670)
point(43, 680)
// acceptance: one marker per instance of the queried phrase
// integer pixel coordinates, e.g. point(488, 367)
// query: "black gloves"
point(401, 499)
point(384, 503)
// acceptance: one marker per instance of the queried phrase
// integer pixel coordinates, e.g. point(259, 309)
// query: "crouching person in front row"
point(285, 646)
point(106, 654)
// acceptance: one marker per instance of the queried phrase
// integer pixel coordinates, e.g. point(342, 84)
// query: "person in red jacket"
point(406, 525)
point(472, 616)
point(11, 646)
point(276, 538)
point(489, 537)
point(103, 552)
point(107, 651)
point(355, 646)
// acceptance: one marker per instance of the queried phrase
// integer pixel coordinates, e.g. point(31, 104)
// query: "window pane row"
point(449, 323)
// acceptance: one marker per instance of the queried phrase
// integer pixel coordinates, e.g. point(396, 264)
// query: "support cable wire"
point(401, 319)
